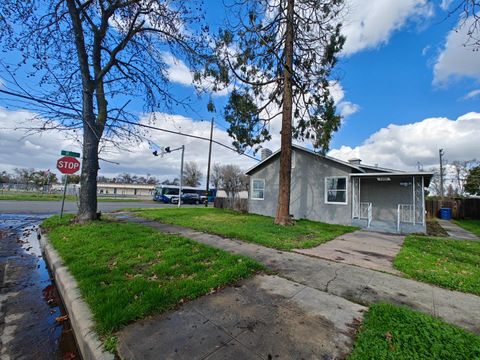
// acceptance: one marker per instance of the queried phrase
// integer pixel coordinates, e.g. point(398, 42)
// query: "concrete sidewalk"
point(367, 249)
point(456, 232)
point(356, 284)
point(264, 317)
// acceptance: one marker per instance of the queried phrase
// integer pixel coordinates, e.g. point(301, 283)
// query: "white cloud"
point(178, 71)
point(402, 146)
point(42, 150)
point(345, 108)
point(457, 60)
point(348, 108)
point(38, 150)
point(369, 24)
point(426, 49)
point(472, 94)
point(445, 4)
point(336, 90)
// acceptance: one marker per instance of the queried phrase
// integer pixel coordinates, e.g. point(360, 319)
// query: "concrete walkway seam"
point(79, 313)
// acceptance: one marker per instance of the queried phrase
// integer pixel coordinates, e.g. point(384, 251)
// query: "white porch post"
point(413, 199)
point(423, 201)
point(352, 182)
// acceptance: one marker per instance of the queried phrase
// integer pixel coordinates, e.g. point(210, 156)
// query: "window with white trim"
point(336, 190)
point(258, 189)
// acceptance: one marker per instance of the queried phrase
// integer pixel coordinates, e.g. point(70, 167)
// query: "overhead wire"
point(151, 127)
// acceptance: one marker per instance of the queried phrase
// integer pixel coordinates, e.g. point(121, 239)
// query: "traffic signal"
point(167, 149)
point(155, 153)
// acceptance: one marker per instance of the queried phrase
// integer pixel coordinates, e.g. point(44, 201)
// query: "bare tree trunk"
point(91, 138)
point(93, 125)
point(285, 174)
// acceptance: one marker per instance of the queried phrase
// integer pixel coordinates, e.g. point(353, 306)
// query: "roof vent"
point(265, 153)
point(355, 161)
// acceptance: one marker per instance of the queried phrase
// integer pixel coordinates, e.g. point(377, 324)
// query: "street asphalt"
point(29, 304)
point(53, 207)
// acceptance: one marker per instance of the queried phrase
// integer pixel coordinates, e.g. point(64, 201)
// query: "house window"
point(258, 189)
point(336, 190)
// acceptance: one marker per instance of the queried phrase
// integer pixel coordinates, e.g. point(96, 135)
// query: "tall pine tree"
point(280, 56)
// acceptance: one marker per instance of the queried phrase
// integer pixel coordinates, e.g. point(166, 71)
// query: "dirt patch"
point(376, 255)
point(435, 229)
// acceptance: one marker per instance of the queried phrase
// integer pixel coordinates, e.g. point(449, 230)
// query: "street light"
point(167, 150)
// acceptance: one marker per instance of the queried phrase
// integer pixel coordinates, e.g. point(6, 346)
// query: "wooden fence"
point(233, 204)
point(461, 208)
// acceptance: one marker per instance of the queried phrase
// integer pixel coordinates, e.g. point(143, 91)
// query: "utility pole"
point(441, 153)
point(209, 162)
point(181, 178)
point(48, 181)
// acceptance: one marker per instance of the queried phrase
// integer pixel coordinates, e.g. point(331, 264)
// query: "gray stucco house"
point(338, 192)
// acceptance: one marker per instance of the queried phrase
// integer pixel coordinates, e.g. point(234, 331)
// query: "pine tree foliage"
point(253, 55)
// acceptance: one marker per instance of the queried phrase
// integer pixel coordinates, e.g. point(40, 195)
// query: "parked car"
point(187, 199)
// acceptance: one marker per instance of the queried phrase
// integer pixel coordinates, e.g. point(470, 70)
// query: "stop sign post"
point(67, 165)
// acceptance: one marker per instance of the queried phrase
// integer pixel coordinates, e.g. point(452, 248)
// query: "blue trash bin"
point(446, 213)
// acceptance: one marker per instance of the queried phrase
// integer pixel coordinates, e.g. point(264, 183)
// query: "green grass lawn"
point(55, 197)
point(249, 227)
point(126, 271)
point(470, 225)
point(453, 264)
point(395, 332)
point(34, 197)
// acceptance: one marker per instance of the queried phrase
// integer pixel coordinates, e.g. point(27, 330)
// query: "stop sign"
point(68, 165)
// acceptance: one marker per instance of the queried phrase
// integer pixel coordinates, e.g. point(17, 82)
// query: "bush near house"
point(434, 228)
point(452, 264)
point(249, 227)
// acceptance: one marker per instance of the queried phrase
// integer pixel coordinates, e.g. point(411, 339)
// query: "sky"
point(407, 86)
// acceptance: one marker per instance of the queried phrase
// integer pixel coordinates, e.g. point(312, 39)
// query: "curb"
point(79, 313)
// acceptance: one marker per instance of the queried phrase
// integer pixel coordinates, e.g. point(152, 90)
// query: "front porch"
point(389, 202)
point(389, 227)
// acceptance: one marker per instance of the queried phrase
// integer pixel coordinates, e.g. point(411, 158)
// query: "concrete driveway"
point(367, 249)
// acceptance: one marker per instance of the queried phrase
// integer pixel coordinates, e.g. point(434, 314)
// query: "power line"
point(51, 103)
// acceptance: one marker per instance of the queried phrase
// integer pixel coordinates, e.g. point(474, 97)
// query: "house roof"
point(358, 167)
point(379, 168)
point(427, 175)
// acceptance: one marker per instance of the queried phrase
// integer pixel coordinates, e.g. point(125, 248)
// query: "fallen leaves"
point(389, 337)
point(61, 319)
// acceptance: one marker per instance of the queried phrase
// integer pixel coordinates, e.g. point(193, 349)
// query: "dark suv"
point(188, 199)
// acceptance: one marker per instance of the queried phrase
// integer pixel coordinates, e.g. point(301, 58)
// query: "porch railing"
point(405, 214)
point(366, 212)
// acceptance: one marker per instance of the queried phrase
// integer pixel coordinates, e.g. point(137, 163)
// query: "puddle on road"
point(32, 306)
